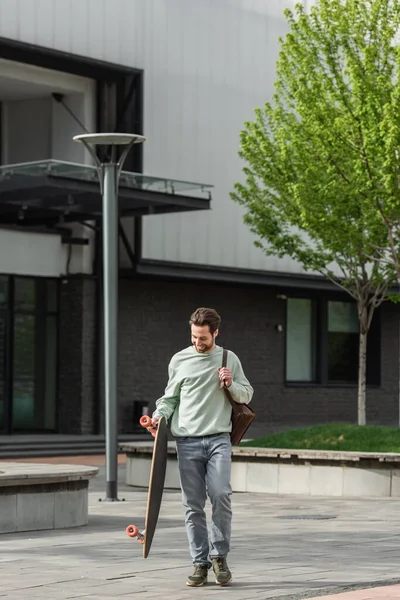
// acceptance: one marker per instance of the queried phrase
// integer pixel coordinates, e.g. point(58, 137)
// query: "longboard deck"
point(156, 484)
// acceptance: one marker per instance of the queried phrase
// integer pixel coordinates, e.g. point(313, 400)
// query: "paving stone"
point(284, 547)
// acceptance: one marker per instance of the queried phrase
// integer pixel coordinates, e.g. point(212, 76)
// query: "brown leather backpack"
point(242, 414)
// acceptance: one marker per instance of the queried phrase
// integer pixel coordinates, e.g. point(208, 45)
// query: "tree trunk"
point(362, 379)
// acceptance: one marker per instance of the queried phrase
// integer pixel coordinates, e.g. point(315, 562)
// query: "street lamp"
point(109, 172)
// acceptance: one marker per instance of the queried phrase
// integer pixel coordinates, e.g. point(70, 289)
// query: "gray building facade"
point(185, 74)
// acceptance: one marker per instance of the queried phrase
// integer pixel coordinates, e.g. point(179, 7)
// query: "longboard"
point(156, 484)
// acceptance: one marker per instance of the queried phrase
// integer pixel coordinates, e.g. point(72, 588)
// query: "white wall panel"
point(213, 63)
point(36, 254)
point(208, 64)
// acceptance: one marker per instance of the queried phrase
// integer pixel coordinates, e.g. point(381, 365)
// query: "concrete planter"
point(277, 471)
point(40, 496)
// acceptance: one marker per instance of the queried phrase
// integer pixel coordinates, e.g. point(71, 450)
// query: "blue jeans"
point(205, 466)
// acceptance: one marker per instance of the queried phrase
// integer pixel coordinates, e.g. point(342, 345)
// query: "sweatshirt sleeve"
point(240, 388)
point(166, 405)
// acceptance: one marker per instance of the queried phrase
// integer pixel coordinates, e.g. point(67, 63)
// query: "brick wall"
point(153, 325)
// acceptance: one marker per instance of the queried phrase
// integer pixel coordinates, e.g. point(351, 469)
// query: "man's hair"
point(206, 316)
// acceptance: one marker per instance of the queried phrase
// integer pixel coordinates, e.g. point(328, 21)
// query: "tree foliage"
point(322, 157)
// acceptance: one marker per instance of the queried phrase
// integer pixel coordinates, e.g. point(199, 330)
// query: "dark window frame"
point(320, 346)
point(41, 313)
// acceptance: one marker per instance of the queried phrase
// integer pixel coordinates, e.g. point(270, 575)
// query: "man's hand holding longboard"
point(151, 424)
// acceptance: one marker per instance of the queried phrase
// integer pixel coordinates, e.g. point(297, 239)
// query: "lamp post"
point(109, 173)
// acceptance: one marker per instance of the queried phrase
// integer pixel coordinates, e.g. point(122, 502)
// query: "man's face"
point(202, 339)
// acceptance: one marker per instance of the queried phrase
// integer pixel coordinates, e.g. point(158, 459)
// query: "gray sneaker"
point(199, 576)
point(223, 576)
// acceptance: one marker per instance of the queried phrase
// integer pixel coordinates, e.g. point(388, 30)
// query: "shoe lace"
point(199, 570)
point(221, 564)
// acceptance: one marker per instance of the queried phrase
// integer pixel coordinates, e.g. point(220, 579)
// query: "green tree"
point(322, 155)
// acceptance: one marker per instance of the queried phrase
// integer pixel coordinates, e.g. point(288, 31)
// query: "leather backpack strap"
point(224, 362)
point(224, 357)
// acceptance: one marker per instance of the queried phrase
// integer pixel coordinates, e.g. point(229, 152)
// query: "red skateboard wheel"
point(132, 531)
point(145, 421)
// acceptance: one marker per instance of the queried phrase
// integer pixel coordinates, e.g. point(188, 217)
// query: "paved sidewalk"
point(377, 593)
point(283, 547)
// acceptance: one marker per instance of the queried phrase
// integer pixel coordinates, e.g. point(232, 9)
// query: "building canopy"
point(50, 191)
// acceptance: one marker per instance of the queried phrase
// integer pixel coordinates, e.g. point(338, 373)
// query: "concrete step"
point(41, 445)
point(49, 453)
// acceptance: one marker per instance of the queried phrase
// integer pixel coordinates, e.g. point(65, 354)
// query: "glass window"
point(23, 409)
point(3, 291)
point(299, 340)
point(343, 340)
point(322, 342)
point(33, 361)
point(24, 294)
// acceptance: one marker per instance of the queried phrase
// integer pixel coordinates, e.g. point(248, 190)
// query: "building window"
point(322, 340)
point(28, 353)
point(300, 364)
point(342, 341)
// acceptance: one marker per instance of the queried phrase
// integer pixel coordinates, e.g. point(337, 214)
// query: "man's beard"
point(204, 348)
